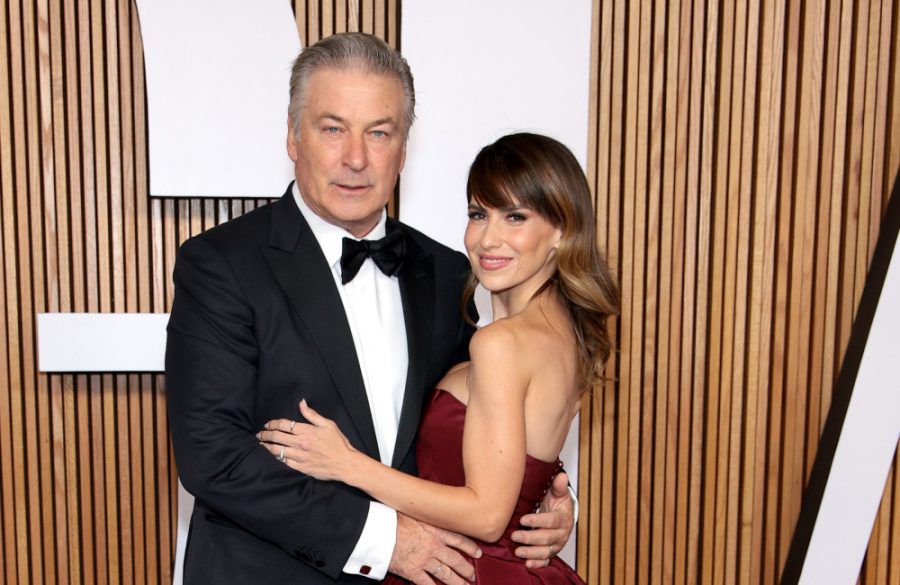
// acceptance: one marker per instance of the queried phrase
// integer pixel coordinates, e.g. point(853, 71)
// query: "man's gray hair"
point(349, 51)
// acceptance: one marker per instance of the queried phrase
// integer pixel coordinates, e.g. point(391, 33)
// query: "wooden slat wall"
point(86, 474)
point(741, 154)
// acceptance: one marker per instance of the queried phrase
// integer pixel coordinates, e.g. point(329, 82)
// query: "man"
point(276, 306)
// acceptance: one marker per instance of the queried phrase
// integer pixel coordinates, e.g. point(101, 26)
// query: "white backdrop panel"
point(864, 452)
point(482, 70)
point(217, 76)
point(101, 342)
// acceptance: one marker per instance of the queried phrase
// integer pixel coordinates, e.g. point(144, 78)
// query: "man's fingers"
point(453, 563)
point(537, 553)
point(560, 485)
point(459, 542)
point(422, 547)
point(445, 574)
point(539, 538)
point(545, 520)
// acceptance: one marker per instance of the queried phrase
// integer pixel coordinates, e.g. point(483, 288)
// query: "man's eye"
point(331, 129)
point(379, 133)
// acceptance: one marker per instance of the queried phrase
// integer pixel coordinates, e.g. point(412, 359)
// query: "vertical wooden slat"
point(677, 445)
point(393, 24)
point(762, 565)
point(68, 545)
point(643, 308)
point(340, 16)
point(10, 500)
point(353, 20)
point(714, 520)
point(704, 86)
point(629, 435)
point(660, 258)
point(744, 405)
point(605, 405)
point(367, 16)
point(589, 443)
point(864, 242)
point(24, 75)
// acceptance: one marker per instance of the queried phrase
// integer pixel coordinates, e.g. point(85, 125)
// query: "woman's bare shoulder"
point(500, 337)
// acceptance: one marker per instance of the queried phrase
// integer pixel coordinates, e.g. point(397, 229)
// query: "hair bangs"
point(500, 178)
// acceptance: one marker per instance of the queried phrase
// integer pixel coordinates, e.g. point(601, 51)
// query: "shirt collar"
point(330, 236)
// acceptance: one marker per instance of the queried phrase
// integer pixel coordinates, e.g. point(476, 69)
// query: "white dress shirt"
point(375, 313)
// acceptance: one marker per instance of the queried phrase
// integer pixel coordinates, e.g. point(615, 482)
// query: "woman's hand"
point(318, 449)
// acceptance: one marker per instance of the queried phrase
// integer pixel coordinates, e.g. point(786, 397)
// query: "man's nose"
point(355, 155)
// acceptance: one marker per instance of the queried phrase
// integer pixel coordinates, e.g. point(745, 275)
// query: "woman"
point(490, 438)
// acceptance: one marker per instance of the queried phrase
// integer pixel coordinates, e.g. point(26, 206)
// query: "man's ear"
point(403, 157)
point(291, 142)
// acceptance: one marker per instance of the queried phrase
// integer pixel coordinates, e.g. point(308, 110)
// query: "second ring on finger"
point(438, 569)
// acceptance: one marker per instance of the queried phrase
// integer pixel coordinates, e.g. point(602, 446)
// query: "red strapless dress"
point(439, 455)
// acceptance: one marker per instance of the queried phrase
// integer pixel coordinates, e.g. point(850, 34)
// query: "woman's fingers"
point(313, 416)
point(281, 424)
point(279, 437)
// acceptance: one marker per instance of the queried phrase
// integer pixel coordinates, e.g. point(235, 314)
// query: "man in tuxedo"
point(286, 303)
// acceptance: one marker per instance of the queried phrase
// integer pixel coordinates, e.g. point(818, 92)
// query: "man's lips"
point(488, 262)
point(351, 188)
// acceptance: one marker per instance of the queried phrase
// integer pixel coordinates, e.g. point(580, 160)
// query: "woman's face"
point(511, 248)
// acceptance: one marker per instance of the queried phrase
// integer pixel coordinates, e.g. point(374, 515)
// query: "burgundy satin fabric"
point(439, 456)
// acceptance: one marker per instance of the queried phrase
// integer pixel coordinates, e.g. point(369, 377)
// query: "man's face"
point(351, 146)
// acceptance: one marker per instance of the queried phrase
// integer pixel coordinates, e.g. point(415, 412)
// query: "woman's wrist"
point(355, 470)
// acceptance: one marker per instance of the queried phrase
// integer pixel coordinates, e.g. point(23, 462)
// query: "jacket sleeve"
point(211, 390)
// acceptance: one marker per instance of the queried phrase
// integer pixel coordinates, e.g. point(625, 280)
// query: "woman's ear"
point(557, 238)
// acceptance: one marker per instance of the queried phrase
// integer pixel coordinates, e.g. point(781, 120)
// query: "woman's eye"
point(516, 217)
point(476, 215)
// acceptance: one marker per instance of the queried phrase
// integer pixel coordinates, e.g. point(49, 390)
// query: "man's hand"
point(424, 553)
point(552, 525)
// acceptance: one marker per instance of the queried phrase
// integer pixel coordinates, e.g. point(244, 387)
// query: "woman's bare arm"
point(493, 449)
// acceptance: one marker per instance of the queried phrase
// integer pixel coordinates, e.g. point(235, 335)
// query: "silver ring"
point(281, 457)
point(291, 428)
point(440, 568)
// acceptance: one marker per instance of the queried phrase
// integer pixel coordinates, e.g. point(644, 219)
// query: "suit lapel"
point(299, 267)
point(417, 294)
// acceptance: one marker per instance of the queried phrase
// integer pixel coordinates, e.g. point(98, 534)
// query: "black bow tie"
point(387, 253)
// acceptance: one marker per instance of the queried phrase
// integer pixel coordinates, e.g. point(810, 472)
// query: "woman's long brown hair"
point(541, 174)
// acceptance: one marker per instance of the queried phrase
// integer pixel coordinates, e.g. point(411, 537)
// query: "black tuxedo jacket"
point(257, 324)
